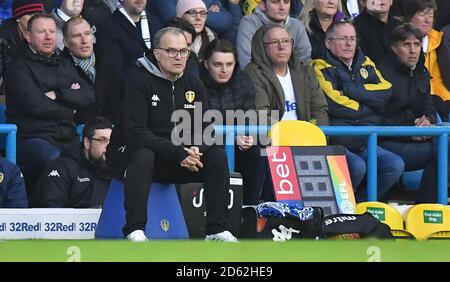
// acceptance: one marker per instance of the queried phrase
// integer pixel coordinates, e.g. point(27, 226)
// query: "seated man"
point(12, 187)
point(271, 12)
point(282, 82)
point(357, 94)
point(230, 89)
point(79, 51)
point(146, 146)
point(79, 178)
point(411, 105)
point(43, 92)
point(285, 87)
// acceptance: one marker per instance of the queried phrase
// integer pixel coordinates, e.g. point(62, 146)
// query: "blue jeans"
point(389, 169)
point(419, 155)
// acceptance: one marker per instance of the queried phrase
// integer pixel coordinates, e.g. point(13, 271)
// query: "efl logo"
point(283, 173)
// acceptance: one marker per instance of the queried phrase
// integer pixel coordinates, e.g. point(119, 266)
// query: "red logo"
point(284, 176)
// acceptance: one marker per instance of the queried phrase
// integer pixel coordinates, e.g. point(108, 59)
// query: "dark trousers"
point(252, 166)
point(33, 155)
point(141, 167)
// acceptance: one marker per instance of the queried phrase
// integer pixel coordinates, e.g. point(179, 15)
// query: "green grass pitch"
point(243, 251)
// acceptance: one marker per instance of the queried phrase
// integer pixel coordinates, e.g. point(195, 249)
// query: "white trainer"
point(224, 236)
point(137, 236)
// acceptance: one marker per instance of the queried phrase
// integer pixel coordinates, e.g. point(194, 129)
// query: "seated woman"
point(195, 12)
point(229, 88)
point(223, 16)
point(317, 16)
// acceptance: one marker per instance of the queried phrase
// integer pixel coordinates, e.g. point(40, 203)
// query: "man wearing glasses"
point(194, 12)
point(357, 94)
point(267, 12)
point(79, 178)
point(146, 145)
point(282, 82)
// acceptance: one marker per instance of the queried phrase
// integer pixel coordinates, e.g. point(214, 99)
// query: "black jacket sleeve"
point(24, 93)
point(79, 99)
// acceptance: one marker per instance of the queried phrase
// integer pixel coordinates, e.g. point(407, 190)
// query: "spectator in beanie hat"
point(195, 12)
point(12, 31)
point(26, 7)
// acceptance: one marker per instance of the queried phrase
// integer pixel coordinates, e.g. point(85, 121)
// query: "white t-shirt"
point(290, 105)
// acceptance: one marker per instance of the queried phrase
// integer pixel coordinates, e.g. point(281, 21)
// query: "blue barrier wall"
point(372, 132)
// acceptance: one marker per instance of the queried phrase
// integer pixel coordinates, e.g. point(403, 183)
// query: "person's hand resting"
point(245, 142)
point(192, 161)
point(422, 121)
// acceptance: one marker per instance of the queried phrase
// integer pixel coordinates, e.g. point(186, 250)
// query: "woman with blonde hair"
point(317, 16)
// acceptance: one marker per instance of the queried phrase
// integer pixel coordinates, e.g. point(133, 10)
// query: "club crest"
point(190, 96)
point(364, 73)
point(165, 225)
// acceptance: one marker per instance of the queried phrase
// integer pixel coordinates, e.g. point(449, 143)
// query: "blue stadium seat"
point(411, 179)
point(164, 214)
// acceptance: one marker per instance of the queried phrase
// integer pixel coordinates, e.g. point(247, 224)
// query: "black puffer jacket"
point(71, 181)
point(237, 94)
point(28, 77)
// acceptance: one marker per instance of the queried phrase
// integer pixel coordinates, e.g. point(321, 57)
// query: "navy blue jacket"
point(356, 95)
point(12, 186)
point(410, 93)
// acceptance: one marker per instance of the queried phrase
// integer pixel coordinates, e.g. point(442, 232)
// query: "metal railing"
point(372, 132)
